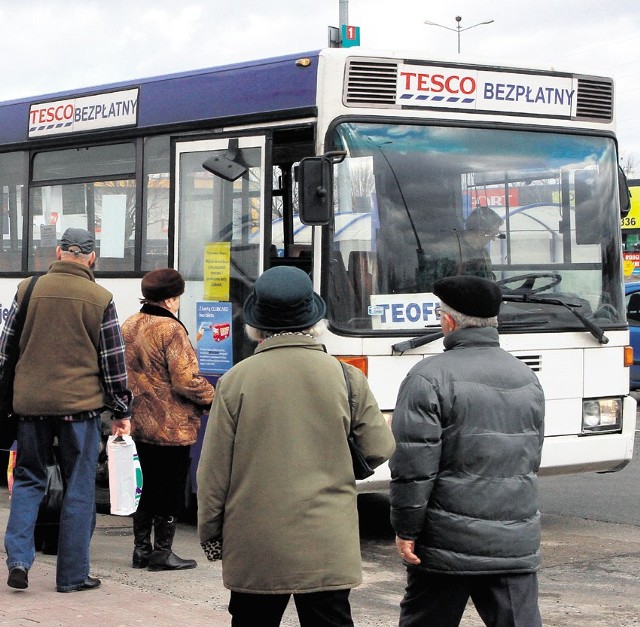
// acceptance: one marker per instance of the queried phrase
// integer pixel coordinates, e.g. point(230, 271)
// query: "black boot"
point(142, 522)
point(162, 557)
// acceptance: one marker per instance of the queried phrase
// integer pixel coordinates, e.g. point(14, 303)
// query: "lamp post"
point(344, 12)
point(458, 29)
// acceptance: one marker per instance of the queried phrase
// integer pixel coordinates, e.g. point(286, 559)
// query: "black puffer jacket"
point(469, 428)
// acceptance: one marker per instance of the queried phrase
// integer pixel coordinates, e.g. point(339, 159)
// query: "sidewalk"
point(127, 596)
point(113, 604)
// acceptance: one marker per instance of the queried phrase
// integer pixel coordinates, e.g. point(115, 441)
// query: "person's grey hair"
point(75, 256)
point(463, 321)
point(257, 335)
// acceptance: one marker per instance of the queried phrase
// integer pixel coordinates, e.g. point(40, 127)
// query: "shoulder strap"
point(348, 382)
point(22, 311)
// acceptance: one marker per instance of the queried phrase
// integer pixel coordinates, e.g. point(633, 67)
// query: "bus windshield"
point(535, 211)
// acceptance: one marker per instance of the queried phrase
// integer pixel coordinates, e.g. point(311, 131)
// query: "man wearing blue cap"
point(73, 318)
point(276, 486)
point(469, 427)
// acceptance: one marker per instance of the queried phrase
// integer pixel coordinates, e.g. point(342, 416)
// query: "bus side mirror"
point(624, 193)
point(315, 187)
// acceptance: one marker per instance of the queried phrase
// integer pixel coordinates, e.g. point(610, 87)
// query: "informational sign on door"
point(217, 264)
point(214, 337)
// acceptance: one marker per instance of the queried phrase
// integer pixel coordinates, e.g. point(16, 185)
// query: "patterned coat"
point(169, 395)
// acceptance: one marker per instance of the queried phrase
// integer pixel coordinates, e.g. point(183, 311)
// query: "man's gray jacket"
point(469, 426)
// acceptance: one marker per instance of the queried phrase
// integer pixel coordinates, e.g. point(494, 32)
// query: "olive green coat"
point(275, 478)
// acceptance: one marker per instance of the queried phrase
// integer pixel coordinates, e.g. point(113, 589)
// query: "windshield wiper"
point(593, 328)
point(414, 342)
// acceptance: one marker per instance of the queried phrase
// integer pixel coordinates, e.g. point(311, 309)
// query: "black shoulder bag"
point(361, 468)
point(8, 425)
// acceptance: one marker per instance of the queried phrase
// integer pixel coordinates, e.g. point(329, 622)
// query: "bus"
point(362, 168)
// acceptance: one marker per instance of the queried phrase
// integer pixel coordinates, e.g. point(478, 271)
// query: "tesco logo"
point(438, 83)
point(60, 113)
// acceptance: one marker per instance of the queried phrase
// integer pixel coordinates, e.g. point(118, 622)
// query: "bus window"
point(155, 238)
point(215, 210)
point(217, 215)
point(13, 167)
point(405, 197)
point(104, 203)
point(291, 242)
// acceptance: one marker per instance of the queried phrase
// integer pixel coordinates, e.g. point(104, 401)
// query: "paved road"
point(608, 497)
point(590, 575)
point(590, 578)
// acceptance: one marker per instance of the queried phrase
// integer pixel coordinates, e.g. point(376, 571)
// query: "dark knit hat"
point(470, 295)
point(78, 241)
point(161, 284)
point(283, 300)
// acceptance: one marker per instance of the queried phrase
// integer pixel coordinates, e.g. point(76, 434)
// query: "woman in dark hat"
point(169, 399)
point(276, 489)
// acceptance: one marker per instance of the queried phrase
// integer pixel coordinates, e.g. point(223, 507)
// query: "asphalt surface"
point(590, 577)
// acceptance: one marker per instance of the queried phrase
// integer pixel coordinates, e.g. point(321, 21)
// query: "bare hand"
point(405, 549)
point(121, 427)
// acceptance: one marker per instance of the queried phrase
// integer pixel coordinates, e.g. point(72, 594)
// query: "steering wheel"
point(528, 281)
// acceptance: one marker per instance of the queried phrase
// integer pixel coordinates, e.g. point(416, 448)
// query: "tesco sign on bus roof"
point(465, 88)
point(87, 113)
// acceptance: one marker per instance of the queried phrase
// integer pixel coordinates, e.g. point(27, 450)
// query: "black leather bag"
point(51, 504)
point(47, 529)
point(8, 422)
point(361, 468)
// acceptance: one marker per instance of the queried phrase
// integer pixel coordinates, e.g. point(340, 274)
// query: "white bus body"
point(426, 143)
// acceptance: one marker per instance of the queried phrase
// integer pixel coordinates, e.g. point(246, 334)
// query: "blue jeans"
point(78, 445)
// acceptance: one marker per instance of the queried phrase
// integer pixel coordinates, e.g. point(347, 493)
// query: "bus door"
point(218, 244)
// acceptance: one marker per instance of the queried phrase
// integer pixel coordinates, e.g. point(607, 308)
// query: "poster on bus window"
point(217, 270)
point(214, 337)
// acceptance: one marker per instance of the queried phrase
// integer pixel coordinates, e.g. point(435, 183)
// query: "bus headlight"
point(601, 415)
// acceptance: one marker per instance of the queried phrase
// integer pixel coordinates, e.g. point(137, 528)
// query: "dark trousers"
point(315, 609)
point(439, 600)
point(164, 471)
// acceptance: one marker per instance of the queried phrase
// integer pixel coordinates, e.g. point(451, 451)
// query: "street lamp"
point(458, 29)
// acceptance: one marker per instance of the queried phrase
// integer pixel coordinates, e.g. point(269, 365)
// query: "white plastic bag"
point(125, 475)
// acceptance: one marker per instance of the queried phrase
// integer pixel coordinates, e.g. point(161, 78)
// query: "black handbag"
point(8, 423)
point(361, 468)
point(47, 529)
point(51, 504)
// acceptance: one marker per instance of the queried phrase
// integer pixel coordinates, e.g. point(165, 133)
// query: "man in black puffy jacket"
point(469, 426)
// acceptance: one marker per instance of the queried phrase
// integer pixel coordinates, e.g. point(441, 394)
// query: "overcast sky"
point(53, 45)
